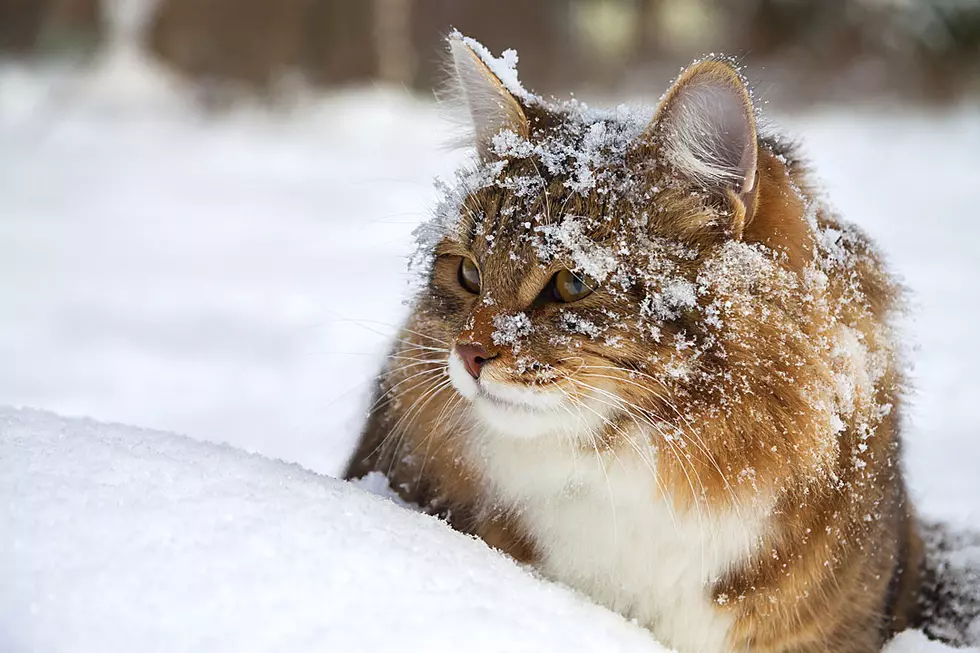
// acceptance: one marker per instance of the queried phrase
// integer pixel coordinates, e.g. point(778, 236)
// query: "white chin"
point(519, 422)
point(520, 412)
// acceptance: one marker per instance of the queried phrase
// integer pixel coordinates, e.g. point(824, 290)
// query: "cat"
point(646, 360)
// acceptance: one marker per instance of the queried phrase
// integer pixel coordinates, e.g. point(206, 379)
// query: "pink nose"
point(474, 356)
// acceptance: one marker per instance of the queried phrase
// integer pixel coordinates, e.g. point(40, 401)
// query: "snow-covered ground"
point(120, 539)
point(235, 279)
point(124, 540)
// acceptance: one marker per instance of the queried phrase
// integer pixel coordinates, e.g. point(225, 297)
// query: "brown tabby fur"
point(839, 568)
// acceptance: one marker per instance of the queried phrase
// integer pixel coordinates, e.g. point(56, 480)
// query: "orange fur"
point(784, 391)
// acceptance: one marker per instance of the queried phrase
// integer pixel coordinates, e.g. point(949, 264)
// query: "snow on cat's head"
point(597, 269)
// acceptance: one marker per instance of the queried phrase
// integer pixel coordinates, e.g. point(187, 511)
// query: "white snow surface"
point(122, 539)
point(236, 279)
point(913, 641)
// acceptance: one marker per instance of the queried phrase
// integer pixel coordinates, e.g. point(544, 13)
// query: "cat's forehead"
point(569, 178)
point(568, 142)
point(550, 228)
point(579, 191)
point(519, 250)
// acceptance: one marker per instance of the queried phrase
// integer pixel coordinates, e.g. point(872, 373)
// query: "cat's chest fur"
point(601, 525)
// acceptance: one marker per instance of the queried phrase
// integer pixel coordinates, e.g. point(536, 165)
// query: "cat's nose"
point(474, 356)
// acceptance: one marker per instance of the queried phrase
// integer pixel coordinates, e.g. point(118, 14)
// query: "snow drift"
point(122, 539)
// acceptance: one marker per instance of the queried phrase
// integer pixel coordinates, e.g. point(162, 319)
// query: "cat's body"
point(699, 427)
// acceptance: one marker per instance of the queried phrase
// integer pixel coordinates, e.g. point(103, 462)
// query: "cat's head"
point(596, 269)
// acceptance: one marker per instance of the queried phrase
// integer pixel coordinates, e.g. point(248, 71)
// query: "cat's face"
point(542, 346)
point(578, 280)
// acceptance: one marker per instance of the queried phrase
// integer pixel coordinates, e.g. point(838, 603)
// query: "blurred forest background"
point(802, 51)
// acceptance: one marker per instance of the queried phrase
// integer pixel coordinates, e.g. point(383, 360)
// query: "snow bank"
point(913, 641)
point(121, 539)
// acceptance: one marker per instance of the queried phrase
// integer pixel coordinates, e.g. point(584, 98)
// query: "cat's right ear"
point(706, 129)
point(491, 106)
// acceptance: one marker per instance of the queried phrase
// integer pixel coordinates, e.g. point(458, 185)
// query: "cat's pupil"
point(569, 287)
point(469, 275)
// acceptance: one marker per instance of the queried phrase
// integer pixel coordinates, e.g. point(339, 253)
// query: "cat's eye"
point(570, 287)
point(469, 275)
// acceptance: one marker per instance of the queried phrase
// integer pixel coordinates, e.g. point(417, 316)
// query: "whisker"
point(388, 395)
point(430, 381)
point(693, 432)
point(451, 407)
point(627, 437)
point(629, 440)
point(600, 463)
point(692, 435)
point(402, 427)
point(363, 322)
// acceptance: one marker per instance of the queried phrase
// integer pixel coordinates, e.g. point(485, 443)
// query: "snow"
point(503, 67)
point(122, 539)
point(913, 641)
point(237, 278)
point(510, 329)
point(906, 178)
point(953, 571)
point(214, 277)
point(567, 240)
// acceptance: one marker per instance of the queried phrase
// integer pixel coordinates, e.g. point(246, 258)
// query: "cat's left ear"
point(492, 107)
point(706, 128)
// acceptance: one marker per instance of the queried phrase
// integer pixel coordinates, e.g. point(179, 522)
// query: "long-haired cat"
point(649, 362)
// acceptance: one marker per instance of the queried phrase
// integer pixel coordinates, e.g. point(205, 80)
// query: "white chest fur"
point(601, 525)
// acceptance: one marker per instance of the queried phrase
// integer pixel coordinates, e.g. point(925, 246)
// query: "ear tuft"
point(707, 127)
point(492, 105)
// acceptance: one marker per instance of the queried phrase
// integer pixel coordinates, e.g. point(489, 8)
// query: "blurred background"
point(206, 205)
point(805, 50)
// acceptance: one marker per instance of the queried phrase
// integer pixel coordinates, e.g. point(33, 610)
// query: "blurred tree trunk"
point(393, 41)
point(20, 24)
point(817, 48)
point(824, 33)
point(649, 47)
point(338, 44)
point(251, 41)
point(46, 25)
point(257, 42)
point(538, 30)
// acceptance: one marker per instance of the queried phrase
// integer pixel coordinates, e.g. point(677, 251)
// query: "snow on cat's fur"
point(646, 360)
